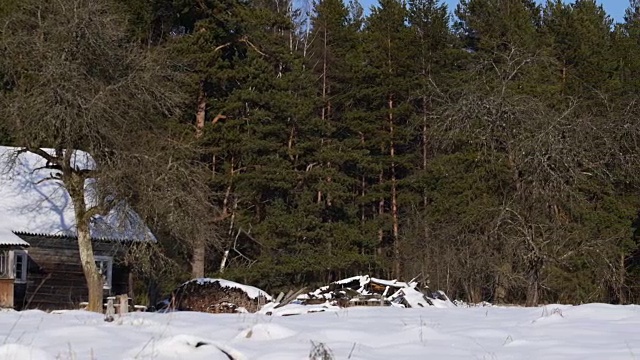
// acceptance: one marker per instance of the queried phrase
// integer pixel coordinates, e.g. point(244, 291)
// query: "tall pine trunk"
point(425, 155)
point(324, 75)
point(397, 264)
point(198, 256)
point(381, 214)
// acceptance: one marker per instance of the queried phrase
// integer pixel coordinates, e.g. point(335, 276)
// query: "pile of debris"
point(368, 291)
point(217, 296)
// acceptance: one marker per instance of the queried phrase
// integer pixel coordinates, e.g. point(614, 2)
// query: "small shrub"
point(320, 351)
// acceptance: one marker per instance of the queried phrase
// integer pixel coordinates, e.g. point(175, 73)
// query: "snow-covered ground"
point(594, 331)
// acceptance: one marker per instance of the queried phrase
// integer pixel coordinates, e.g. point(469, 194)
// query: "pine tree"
point(329, 46)
point(208, 37)
point(497, 25)
point(627, 49)
point(271, 140)
point(433, 75)
point(580, 42)
point(386, 46)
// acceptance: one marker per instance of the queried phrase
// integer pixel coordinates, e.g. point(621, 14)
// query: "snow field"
point(593, 331)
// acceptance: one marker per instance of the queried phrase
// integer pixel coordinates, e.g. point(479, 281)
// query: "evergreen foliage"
point(493, 152)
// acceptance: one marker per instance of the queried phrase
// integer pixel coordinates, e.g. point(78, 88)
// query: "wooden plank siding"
point(54, 274)
point(6, 293)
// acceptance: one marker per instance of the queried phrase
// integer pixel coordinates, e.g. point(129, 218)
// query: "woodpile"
point(215, 297)
point(369, 291)
point(355, 291)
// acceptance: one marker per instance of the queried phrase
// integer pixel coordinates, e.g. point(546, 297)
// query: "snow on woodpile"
point(218, 296)
point(411, 297)
point(369, 291)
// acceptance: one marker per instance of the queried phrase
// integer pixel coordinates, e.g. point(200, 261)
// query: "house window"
point(105, 268)
point(5, 269)
point(20, 266)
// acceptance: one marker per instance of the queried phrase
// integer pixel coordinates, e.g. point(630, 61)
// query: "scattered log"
point(291, 296)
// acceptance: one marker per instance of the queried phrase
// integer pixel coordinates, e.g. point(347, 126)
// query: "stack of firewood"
point(211, 297)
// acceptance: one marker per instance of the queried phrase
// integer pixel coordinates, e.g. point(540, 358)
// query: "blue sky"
point(615, 8)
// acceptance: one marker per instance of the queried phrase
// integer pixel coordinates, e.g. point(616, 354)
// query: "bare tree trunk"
point(225, 256)
point(75, 187)
point(89, 268)
point(225, 207)
point(501, 284)
point(532, 293)
point(201, 110)
point(533, 290)
point(621, 276)
point(198, 257)
point(499, 292)
point(223, 262)
point(473, 292)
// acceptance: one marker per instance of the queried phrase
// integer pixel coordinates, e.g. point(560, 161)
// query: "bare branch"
point(51, 159)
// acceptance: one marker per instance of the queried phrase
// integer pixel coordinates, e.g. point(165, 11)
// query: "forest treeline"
point(492, 150)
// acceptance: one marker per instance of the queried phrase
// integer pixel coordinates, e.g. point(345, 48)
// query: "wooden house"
point(39, 258)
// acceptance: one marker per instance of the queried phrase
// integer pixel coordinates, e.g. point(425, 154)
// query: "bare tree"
point(75, 82)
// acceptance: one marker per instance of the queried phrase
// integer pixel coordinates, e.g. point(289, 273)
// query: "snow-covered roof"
point(29, 204)
point(8, 238)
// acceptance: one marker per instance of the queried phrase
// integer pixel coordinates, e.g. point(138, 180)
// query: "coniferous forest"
point(492, 150)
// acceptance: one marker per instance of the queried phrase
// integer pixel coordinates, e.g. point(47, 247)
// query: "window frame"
point(109, 276)
point(25, 260)
point(6, 267)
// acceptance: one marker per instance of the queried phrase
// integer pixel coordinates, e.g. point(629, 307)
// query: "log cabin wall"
point(54, 274)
